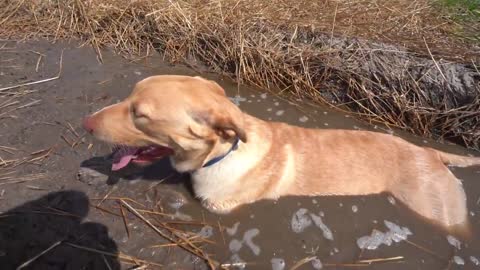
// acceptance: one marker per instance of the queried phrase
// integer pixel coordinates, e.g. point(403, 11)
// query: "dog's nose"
point(88, 124)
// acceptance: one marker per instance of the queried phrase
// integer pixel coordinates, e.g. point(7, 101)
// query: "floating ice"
point(138, 73)
point(474, 260)
point(269, 109)
point(233, 230)
point(454, 241)
point(391, 199)
point(314, 201)
point(247, 238)
point(317, 264)
point(236, 261)
point(327, 233)
point(395, 233)
point(264, 95)
point(458, 260)
point(303, 119)
point(325, 124)
point(399, 233)
point(300, 220)
point(280, 112)
point(237, 99)
point(354, 208)
point(276, 104)
point(235, 245)
point(277, 263)
point(177, 204)
point(206, 232)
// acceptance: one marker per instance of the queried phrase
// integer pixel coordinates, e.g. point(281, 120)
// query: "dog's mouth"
point(124, 155)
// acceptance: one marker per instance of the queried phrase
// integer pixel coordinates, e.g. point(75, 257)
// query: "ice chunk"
point(395, 233)
point(277, 263)
point(206, 231)
point(454, 241)
point(458, 260)
point(235, 245)
point(317, 264)
point(327, 233)
point(248, 239)
point(474, 260)
point(233, 230)
point(237, 99)
point(300, 220)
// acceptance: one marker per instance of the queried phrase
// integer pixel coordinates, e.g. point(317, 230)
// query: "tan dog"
point(235, 158)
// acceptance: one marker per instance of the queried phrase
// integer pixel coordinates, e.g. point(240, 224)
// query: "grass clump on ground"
point(465, 15)
point(396, 62)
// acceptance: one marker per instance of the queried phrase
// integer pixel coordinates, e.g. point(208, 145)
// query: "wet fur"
point(276, 159)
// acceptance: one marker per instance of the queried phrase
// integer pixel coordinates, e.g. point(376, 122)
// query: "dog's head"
point(189, 118)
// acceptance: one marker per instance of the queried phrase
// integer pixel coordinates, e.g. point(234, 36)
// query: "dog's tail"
point(456, 160)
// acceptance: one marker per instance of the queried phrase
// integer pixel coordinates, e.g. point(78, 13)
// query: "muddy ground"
point(64, 196)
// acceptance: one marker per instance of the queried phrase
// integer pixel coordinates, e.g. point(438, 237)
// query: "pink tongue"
point(121, 163)
point(123, 156)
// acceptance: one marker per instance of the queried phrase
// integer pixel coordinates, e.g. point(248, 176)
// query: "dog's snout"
point(88, 124)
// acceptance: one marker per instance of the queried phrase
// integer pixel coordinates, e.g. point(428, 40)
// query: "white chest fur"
point(222, 179)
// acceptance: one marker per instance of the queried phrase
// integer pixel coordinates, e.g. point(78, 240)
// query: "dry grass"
point(304, 49)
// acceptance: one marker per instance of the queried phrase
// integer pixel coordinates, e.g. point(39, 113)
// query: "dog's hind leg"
point(436, 195)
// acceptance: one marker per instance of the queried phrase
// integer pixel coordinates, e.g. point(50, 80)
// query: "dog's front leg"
point(219, 207)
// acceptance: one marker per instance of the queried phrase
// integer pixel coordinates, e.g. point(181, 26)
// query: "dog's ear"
point(227, 123)
point(228, 127)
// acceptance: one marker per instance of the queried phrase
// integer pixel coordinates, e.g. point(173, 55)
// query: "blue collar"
point(217, 159)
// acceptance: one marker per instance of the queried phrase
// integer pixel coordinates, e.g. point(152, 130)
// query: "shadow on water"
point(32, 228)
point(158, 170)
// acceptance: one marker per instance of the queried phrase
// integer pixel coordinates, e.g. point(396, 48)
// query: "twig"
point(27, 263)
point(110, 254)
point(40, 81)
point(302, 262)
point(434, 61)
point(370, 261)
point(190, 248)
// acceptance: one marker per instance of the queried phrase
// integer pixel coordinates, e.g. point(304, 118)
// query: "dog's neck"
point(196, 160)
point(219, 158)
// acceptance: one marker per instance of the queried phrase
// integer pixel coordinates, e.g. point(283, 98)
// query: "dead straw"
point(30, 261)
point(39, 81)
point(188, 246)
point(120, 255)
point(321, 53)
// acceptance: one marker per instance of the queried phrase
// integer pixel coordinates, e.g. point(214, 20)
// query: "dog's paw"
point(217, 207)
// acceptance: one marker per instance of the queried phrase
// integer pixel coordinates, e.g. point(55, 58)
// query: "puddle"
point(263, 235)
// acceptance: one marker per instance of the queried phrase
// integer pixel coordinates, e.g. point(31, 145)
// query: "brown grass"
point(307, 49)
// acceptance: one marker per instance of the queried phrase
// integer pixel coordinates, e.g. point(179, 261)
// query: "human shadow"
point(55, 221)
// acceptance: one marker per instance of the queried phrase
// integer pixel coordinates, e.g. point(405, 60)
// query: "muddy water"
point(324, 232)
